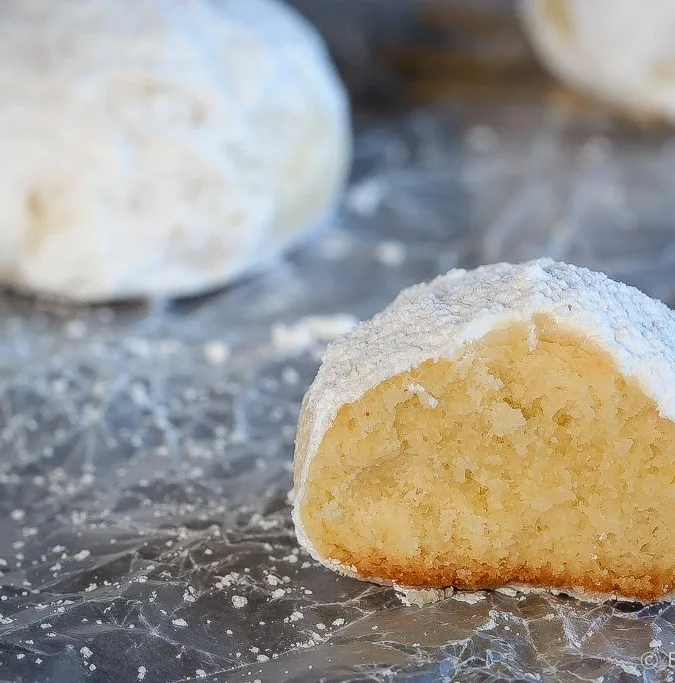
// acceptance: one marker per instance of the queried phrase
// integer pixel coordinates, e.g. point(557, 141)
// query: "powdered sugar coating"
point(437, 319)
point(159, 147)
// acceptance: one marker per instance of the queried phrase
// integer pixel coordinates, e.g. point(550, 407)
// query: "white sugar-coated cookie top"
point(437, 319)
point(157, 147)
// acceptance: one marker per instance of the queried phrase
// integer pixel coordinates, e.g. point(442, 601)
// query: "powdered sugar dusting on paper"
point(421, 596)
point(311, 330)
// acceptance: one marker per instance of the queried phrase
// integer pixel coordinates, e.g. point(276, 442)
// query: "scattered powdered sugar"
point(421, 596)
point(141, 673)
point(630, 669)
point(507, 590)
point(216, 353)
point(390, 253)
point(310, 330)
point(75, 329)
point(489, 624)
point(179, 623)
point(470, 597)
point(365, 197)
point(290, 375)
point(239, 601)
point(334, 246)
point(228, 580)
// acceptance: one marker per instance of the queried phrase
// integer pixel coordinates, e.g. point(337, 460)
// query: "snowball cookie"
point(621, 51)
point(160, 147)
point(509, 425)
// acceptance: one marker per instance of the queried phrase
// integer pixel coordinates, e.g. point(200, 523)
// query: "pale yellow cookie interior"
point(528, 459)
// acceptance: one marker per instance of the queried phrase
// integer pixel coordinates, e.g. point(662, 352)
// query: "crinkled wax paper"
point(145, 450)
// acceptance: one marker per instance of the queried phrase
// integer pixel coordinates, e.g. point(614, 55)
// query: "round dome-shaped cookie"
point(513, 424)
point(157, 148)
point(620, 51)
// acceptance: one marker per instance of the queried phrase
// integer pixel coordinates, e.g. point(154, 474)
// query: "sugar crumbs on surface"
point(311, 330)
point(470, 597)
point(489, 624)
point(335, 246)
point(216, 353)
point(421, 596)
point(365, 197)
point(239, 601)
point(228, 580)
point(290, 375)
point(507, 590)
point(390, 253)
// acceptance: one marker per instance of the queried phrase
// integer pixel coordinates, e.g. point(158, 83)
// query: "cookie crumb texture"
point(538, 462)
point(153, 148)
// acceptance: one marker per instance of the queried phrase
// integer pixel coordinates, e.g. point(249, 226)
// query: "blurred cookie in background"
point(619, 51)
point(151, 148)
